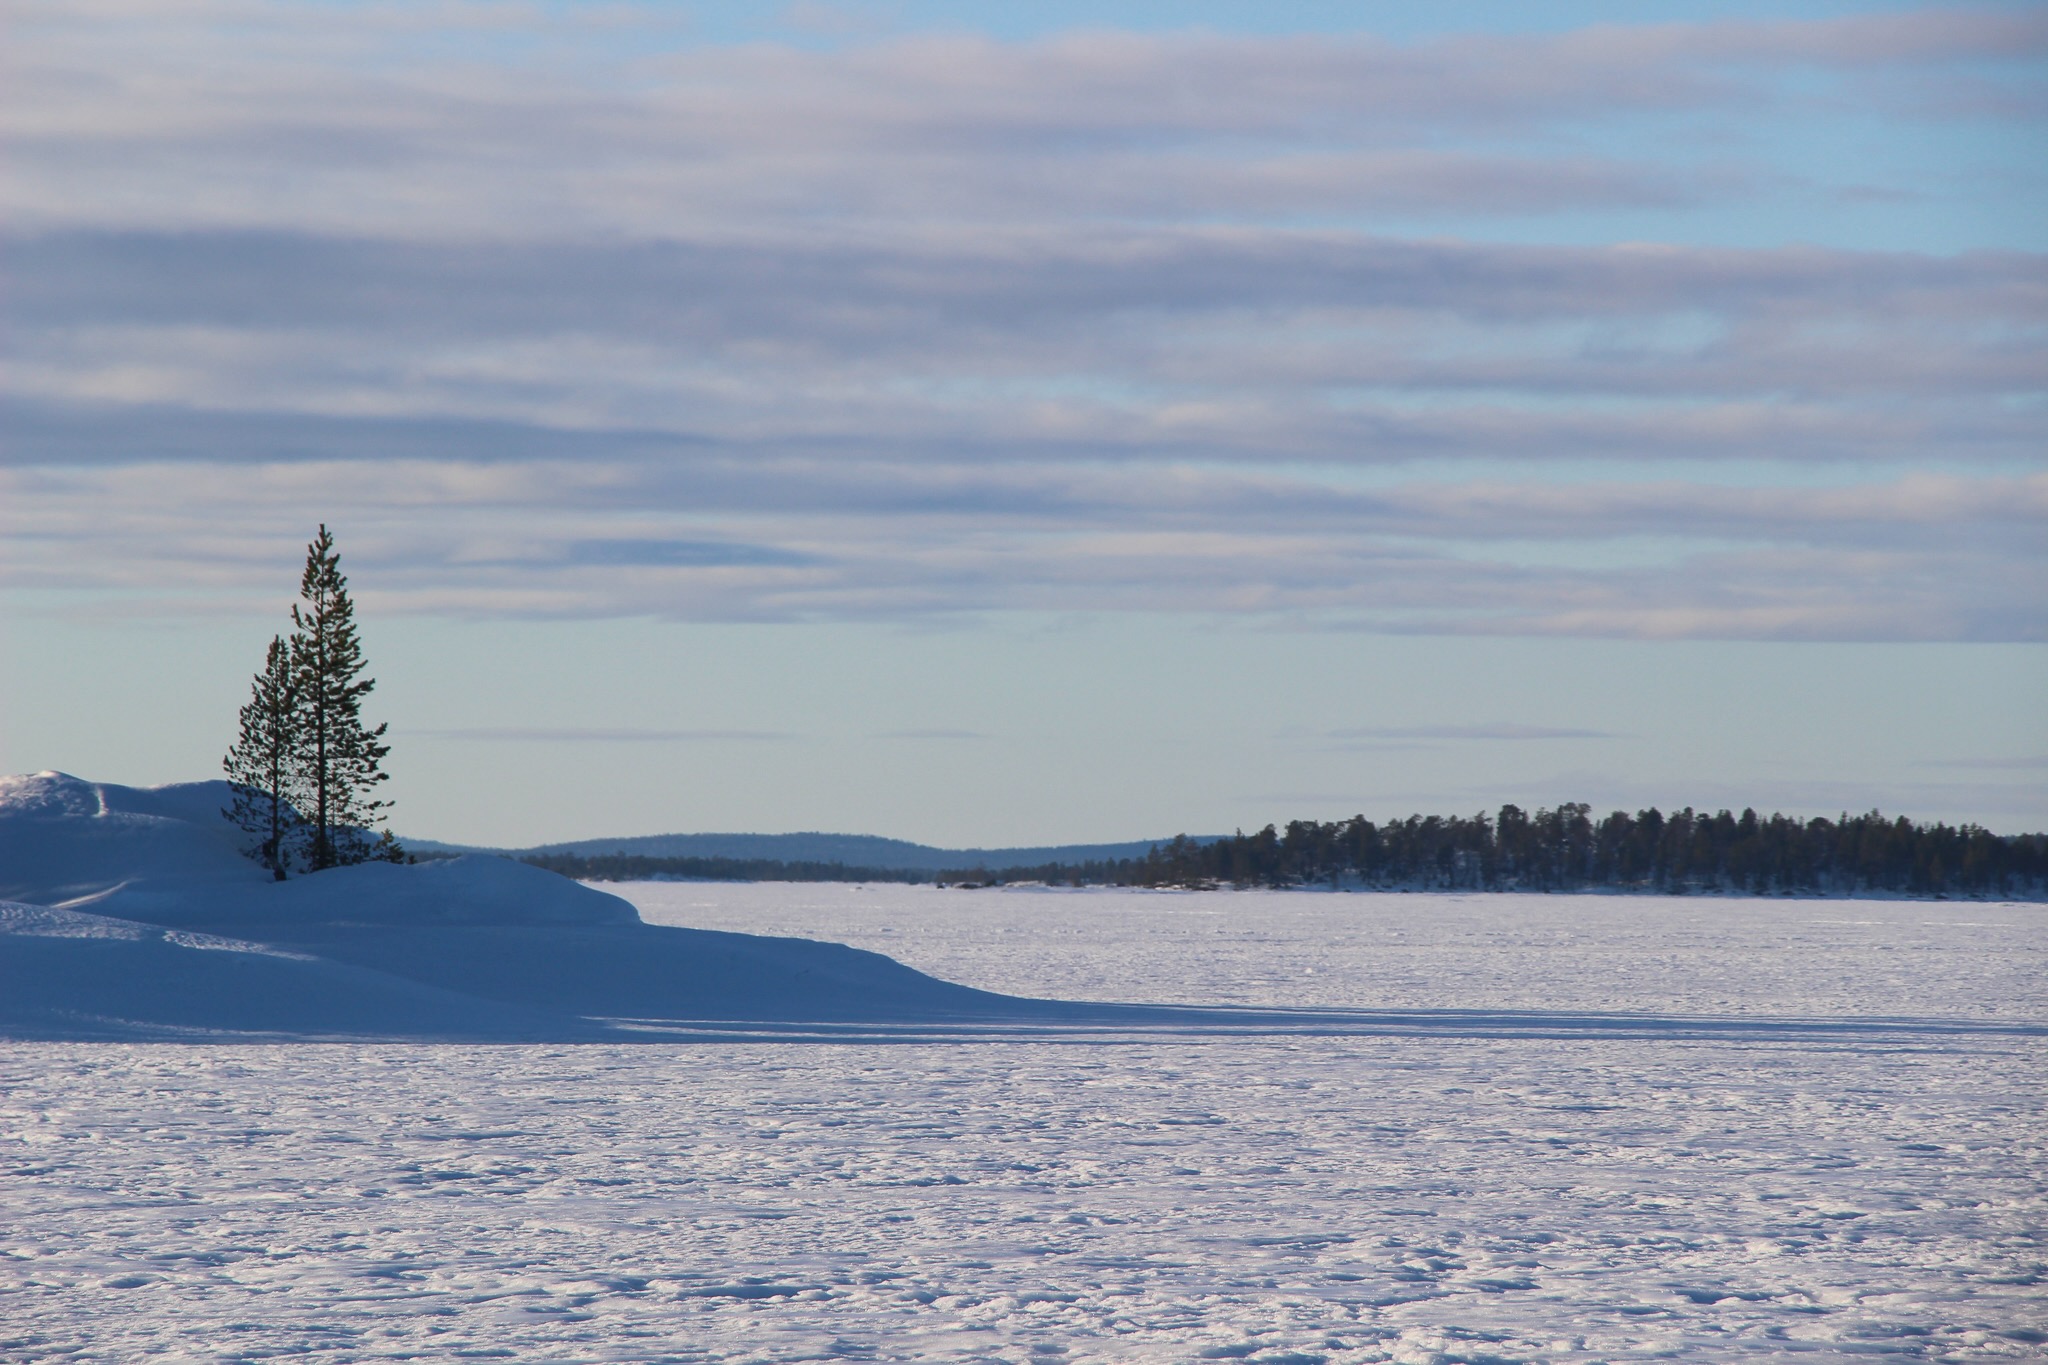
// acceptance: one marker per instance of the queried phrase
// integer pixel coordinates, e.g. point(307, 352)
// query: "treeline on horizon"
point(1561, 849)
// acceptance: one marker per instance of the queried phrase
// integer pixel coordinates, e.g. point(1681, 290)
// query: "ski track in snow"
point(1452, 1198)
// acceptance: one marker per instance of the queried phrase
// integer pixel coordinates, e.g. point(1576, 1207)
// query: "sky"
point(1005, 424)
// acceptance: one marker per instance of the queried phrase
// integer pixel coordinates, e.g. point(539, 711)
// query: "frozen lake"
point(1460, 1193)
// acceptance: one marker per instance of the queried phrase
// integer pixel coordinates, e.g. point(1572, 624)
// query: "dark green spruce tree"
point(339, 758)
point(262, 767)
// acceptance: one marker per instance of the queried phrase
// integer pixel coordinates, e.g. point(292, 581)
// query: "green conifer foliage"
point(340, 759)
point(262, 766)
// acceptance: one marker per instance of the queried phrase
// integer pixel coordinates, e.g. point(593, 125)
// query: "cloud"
point(1937, 558)
point(1492, 731)
point(1180, 344)
point(655, 553)
point(587, 735)
point(932, 734)
point(2019, 763)
point(359, 119)
point(866, 287)
point(936, 325)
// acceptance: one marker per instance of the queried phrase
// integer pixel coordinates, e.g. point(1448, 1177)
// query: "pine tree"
point(339, 758)
point(262, 768)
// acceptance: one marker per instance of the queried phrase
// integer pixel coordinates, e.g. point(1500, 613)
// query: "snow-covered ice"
point(1860, 1173)
point(1698, 956)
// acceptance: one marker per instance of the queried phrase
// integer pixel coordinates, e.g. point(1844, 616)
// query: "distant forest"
point(1564, 849)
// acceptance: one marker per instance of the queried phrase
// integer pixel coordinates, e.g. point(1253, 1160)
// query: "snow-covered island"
point(131, 913)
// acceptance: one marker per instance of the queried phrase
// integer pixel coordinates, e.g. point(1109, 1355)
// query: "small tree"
point(262, 766)
point(339, 757)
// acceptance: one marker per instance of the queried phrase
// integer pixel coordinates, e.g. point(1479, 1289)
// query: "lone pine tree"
point(305, 767)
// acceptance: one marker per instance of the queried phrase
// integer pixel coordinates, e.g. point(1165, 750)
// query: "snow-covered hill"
point(62, 837)
point(129, 912)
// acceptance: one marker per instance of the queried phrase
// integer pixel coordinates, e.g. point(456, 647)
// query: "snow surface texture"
point(1698, 957)
point(1478, 1188)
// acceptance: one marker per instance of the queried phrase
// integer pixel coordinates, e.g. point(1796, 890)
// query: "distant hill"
point(852, 850)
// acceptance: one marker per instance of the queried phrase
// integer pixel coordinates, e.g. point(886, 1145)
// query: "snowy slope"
point(65, 974)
